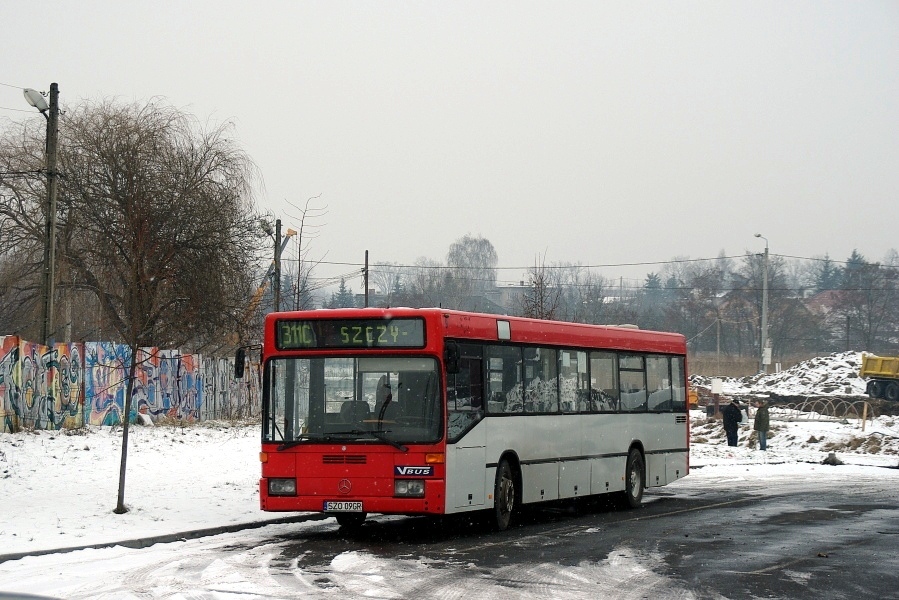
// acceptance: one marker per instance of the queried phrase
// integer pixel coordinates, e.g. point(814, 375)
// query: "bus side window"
point(603, 381)
point(573, 385)
point(632, 383)
point(658, 383)
point(504, 389)
point(541, 393)
point(678, 387)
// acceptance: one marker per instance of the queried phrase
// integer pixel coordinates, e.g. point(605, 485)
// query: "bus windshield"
point(380, 399)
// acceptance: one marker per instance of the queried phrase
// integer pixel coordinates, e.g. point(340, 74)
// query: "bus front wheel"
point(632, 496)
point(350, 520)
point(503, 496)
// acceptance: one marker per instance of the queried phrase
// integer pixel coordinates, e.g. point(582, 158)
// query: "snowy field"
point(832, 375)
point(58, 489)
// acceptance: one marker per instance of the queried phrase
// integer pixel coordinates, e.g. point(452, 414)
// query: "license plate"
point(343, 507)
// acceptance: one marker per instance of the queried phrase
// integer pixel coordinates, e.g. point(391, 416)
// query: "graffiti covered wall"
point(40, 387)
point(228, 397)
point(105, 374)
point(85, 383)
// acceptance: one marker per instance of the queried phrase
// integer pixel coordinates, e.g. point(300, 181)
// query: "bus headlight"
point(282, 487)
point(409, 488)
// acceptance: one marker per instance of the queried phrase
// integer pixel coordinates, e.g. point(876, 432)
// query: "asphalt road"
point(784, 539)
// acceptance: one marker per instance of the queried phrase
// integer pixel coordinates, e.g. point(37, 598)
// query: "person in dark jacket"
point(732, 415)
point(761, 424)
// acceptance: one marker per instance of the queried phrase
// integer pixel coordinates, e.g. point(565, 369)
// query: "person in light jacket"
point(732, 415)
point(761, 424)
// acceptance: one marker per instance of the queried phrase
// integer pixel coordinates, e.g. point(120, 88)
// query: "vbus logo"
point(413, 471)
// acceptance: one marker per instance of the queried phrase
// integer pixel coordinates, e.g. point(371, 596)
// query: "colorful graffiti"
point(228, 397)
point(105, 375)
point(40, 387)
point(70, 385)
point(10, 383)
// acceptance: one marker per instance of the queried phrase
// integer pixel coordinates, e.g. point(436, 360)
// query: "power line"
point(556, 266)
point(24, 110)
point(588, 266)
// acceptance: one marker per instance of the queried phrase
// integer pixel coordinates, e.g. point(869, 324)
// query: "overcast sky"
point(588, 132)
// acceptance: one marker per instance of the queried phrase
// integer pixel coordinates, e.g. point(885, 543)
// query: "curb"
point(168, 538)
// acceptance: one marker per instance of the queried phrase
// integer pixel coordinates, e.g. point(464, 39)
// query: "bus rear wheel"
point(503, 496)
point(632, 496)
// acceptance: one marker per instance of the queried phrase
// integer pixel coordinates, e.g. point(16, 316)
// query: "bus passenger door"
point(466, 458)
point(465, 474)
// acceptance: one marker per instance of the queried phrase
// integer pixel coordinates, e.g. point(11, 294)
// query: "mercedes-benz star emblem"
point(344, 486)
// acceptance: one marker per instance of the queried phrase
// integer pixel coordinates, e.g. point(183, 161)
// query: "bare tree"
point(302, 268)
point(425, 285)
point(385, 276)
point(582, 294)
point(542, 301)
point(472, 262)
point(155, 217)
point(868, 307)
point(22, 194)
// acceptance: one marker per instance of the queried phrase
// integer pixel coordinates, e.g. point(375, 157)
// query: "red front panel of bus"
point(353, 473)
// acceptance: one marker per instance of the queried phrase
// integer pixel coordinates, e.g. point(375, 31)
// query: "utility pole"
point(765, 312)
point(277, 274)
point(365, 278)
point(48, 288)
point(764, 332)
point(718, 345)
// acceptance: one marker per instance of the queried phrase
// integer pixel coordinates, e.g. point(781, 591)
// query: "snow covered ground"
point(832, 375)
point(58, 489)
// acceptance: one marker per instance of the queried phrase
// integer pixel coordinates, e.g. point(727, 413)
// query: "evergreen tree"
point(342, 298)
point(827, 275)
point(852, 272)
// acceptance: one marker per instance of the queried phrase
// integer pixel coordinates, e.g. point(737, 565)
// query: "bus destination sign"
point(349, 333)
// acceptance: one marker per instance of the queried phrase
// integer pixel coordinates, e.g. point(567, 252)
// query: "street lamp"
point(51, 113)
point(765, 359)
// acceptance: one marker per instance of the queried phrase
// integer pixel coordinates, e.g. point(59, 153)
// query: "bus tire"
point(875, 389)
point(891, 392)
point(350, 520)
point(632, 496)
point(503, 496)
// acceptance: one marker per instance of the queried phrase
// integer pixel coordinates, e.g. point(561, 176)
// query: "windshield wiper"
point(303, 437)
point(378, 435)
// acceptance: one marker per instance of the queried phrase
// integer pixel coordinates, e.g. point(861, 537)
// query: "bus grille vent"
point(344, 459)
point(680, 419)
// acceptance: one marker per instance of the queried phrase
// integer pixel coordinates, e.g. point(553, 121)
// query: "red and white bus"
point(433, 412)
